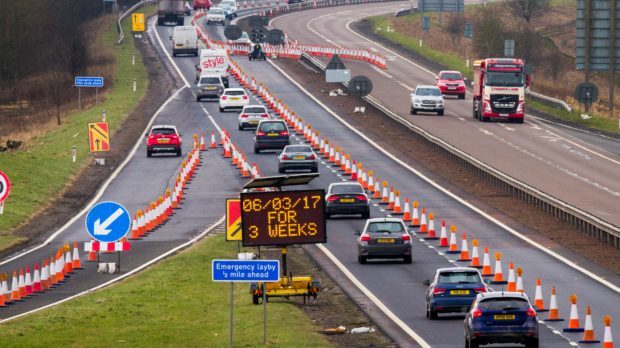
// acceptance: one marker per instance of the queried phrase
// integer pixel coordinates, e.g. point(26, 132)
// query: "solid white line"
point(524, 238)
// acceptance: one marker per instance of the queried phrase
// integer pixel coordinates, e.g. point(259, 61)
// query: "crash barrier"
point(548, 101)
point(51, 273)
point(577, 218)
point(121, 18)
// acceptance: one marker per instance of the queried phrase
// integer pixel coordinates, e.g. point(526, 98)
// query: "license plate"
point(452, 88)
point(210, 87)
point(504, 317)
point(347, 200)
point(179, 45)
point(272, 134)
point(253, 122)
point(235, 98)
point(459, 292)
point(299, 157)
point(385, 240)
point(162, 140)
point(503, 115)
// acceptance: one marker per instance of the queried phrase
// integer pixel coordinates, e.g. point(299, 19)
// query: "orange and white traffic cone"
point(44, 275)
point(397, 207)
point(92, 255)
point(391, 199)
point(588, 332)
point(354, 170)
point(4, 289)
point(512, 281)
point(520, 280)
point(384, 196)
point(486, 263)
point(539, 302)
point(68, 260)
point(443, 237)
point(499, 276)
point(464, 249)
point(2, 304)
point(554, 312)
point(415, 216)
point(423, 222)
point(573, 321)
point(203, 145)
point(36, 281)
point(213, 144)
point(431, 228)
point(608, 340)
point(453, 248)
point(475, 258)
point(22, 284)
point(76, 262)
point(407, 212)
point(371, 181)
point(15, 294)
point(377, 193)
point(28, 282)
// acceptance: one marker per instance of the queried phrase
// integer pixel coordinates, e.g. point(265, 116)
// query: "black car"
point(271, 135)
point(346, 198)
point(453, 290)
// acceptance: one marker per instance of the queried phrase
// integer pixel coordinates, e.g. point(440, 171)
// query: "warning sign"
point(99, 137)
point(137, 22)
point(233, 219)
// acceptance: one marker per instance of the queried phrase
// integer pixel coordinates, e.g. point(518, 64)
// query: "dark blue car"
point(501, 317)
point(453, 290)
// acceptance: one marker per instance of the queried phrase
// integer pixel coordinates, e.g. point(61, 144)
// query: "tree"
point(489, 35)
point(455, 27)
point(527, 9)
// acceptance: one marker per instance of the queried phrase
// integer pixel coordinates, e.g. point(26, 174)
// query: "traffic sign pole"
point(232, 291)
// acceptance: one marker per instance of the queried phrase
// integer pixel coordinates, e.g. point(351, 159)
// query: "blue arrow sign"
point(88, 81)
point(245, 270)
point(108, 222)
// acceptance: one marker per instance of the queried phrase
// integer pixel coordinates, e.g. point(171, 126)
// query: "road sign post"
point(246, 271)
point(89, 82)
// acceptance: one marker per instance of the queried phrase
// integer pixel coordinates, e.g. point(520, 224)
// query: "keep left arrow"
point(101, 229)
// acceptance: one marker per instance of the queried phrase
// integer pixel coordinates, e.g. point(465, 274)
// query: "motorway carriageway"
point(399, 287)
point(575, 167)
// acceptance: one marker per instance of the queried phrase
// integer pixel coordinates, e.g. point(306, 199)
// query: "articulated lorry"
point(499, 89)
point(170, 11)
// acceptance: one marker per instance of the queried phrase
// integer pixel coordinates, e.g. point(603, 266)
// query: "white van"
point(184, 40)
point(213, 61)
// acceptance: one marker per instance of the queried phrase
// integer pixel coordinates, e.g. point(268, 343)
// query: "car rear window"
point(209, 81)
point(385, 226)
point(428, 91)
point(216, 11)
point(234, 92)
point(255, 110)
point(503, 304)
point(337, 189)
point(458, 278)
point(272, 127)
point(163, 131)
point(451, 76)
point(297, 148)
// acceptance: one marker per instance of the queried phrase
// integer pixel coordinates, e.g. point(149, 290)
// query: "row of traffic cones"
point(237, 157)
point(53, 272)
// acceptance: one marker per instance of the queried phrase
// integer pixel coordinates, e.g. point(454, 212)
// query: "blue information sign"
point(88, 81)
point(245, 270)
point(108, 222)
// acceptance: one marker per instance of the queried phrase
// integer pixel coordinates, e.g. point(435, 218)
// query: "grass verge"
point(455, 62)
point(173, 304)
point(40, 171)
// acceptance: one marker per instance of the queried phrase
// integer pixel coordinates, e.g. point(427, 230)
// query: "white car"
point(216, 15)
point(244, 39)
point(232, 4)
point(233, 98)
point(251, 115)
point(427, 99)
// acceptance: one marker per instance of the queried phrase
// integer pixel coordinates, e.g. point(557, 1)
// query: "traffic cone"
point(384, 196)
point(68, 260)
point(608, 340)
point(415, 217)
point(397, 207)
point(213, 144)
point(203, 145)
point(407, 212)
point(15, 293)
point(475, 258)
point(431, 228)
point(588, 332)
point(22, 284)
point(539, 302)
point(453, 248)
point(377, 192)
point(486, 264)
point(354, 168)
point(4, 289)
point(520, 280)
point(554, 312)
point(512, 282)
point(92, 255)
point(44, 276)
point(464, 249)
point(391, 199)
point(36, 283)
point(196, 143)
point(499, 276)
point(573, 321)
point(443, 237)
point(52, 268)
point(28, 282)
point(2, 304)
point(423, 223)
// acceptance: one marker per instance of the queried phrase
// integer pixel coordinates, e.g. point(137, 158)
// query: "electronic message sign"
point(283, 218)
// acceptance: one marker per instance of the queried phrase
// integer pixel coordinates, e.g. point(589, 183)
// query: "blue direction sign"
point(88, 81)
point(108, 222)
point(245, 270)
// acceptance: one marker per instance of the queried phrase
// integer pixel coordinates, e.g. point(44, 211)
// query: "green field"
point(173, 304)
point(41, 170)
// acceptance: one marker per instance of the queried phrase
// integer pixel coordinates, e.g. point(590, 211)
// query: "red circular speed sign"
point(5, 186)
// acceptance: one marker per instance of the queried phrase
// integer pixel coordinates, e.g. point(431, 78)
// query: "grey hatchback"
point(298, 157)
point(271, 135)
point(210, 86)
point(384, 238)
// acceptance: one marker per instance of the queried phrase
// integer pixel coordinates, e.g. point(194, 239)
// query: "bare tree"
point(455, 28)
point(489, 34)
point(527, 9)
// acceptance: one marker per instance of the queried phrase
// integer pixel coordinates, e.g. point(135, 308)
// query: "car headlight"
point(417, 101)
point(520, 107)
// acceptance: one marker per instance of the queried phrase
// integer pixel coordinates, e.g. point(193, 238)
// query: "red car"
point(163, 138)
point(204, 4)
point(451, 83)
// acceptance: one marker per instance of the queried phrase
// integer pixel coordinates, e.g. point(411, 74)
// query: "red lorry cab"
point(202, 4)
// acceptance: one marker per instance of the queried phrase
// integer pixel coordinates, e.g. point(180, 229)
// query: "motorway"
point(578, 168)
point(398, 286)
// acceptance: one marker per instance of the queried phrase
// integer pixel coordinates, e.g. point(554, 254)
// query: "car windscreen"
point(503, 304)
point(458, 278)
point(451, 76)
point(163, 131)
point(228, 3)
point(339, 189)
point(209, 81)
point(272, 127)
point(427, 92)
point(254, 110)
point(504, 79)
point(225, 6)
point(234, 93)
point(385, 226)
point(218, 11)
point(297, 148)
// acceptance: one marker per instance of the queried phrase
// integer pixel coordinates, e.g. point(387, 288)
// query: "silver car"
point(209, 86)
point(427, 99)
point(298, 157)
point(384, 238)
point(251, 115)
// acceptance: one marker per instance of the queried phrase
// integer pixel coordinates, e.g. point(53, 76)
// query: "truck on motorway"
point(499, 89)
point(202, 4)
point(213, 61)
point(184, 40)
point(170, 11)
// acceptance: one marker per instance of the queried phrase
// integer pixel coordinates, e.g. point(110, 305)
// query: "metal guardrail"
point(582, 220)
point(549, 101)
point(121, 35)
